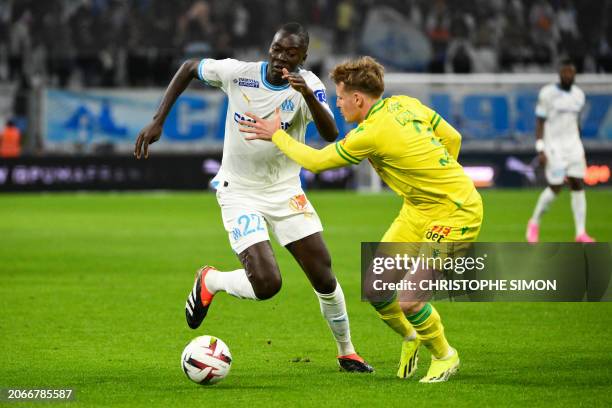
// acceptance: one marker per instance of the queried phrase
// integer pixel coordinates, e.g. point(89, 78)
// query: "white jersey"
point(259, 163)
point(561, 110)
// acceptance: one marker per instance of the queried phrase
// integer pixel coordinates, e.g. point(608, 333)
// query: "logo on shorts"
point(438, 232)
point(299, 203)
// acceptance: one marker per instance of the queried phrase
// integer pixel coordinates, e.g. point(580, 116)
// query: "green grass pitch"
point(93, 288)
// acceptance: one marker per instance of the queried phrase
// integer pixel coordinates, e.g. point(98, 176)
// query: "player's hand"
point(261, 129)
point(296, 81)
point(542, 158)
point(148, 135)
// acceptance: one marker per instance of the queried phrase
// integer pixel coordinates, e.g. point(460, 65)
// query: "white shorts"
point(249, 213)
point(561, 164)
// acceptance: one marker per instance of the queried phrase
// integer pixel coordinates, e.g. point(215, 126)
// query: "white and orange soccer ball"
point(206, 360)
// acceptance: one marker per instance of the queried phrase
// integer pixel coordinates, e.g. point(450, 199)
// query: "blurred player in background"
point(560, 150)
point(415, 152)
point(258, 188)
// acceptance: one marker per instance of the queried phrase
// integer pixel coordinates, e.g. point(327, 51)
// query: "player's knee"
point(266, 287)
point(326, 284)
point(411, 308)
point(575, 184)
point(556, 189)
point(325, 281)
point(375, 297)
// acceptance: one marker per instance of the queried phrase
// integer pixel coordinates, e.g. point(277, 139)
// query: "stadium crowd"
point(67, 43)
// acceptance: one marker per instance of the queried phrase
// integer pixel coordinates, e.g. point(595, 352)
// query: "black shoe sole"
point(354, 366)
point(194, 301)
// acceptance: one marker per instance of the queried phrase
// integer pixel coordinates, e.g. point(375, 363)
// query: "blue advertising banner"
point(85, 119)
point(480, 110)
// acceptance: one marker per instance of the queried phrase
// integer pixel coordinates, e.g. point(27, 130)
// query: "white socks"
point(235, 283)
point(547, 197)
point(333, 309)
point(579, 210)
point(578, 199)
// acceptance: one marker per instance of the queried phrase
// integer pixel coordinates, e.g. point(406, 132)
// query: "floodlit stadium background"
point(81, 78)
point(93, 285)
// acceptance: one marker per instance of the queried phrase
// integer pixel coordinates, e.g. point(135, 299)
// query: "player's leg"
point(454, 234)
point(296, 225)
point(575, 174)
point(555, 174)
point(312, 255)
point(401, 230)
point(389, 310)
point(248, 234)
point(427, 322)
point(422, 315)
point(259, 279)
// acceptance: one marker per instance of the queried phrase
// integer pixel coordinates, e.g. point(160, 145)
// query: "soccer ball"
point(206, 360)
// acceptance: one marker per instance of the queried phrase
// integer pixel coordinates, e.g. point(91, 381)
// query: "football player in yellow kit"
point(414, 150)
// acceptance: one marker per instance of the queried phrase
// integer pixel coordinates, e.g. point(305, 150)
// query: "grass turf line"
point(93, 288)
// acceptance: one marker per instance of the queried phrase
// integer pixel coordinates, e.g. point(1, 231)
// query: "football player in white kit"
point(560, 149)
point(258, 187)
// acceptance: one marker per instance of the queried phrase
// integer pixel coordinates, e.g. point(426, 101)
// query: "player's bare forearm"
point(539, 133)
point(539, 130)
point(181, 80)
point(306, 156)
point(151, 133)
point(323, 120)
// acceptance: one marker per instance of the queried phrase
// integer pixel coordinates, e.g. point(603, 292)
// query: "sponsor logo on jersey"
point(320, 95)
point(247, 82)
point(438, 232)
point(287, 105)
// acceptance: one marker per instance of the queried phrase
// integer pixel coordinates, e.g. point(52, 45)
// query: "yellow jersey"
point(412, 148)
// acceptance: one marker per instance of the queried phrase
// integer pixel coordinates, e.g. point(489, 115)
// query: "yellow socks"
point(428, 325)
point(392, 315)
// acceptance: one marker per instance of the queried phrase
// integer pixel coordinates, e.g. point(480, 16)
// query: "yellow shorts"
point(456, 225)
point(447, 233)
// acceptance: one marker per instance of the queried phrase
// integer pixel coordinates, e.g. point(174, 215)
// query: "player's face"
point(347, 102)
point(286, 51)
point(567, 74)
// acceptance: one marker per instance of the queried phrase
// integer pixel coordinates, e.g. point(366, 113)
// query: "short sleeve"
point(581, 98)
point(217, 73)
point(541, 109)
point(357, 145)
point(320, 94)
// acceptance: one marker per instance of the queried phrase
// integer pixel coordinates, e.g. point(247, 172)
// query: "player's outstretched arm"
point(323, 120)
point(152, 132)
point(307, 157)
point(539, 133)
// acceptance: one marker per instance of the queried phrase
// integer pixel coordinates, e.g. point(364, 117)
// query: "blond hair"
point(364, 74)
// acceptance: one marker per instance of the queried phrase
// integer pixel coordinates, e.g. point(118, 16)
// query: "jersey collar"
point(264, 68)
point(564, 90)
point(375, 108)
